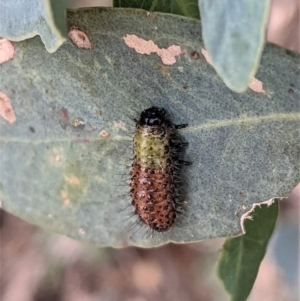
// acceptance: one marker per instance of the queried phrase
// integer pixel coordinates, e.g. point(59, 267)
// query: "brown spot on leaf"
point(6, 109)
point(168, 55)
point(142, 46)
point(242, 194)
point(104, 134)
point(79, 38)
point(256, 85)
point(195, 55)
point(78, 122)
point(64, 114)
point(7, 50)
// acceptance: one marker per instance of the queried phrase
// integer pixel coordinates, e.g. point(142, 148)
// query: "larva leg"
point(182, 144)
point(184, 162)
point(180, 126)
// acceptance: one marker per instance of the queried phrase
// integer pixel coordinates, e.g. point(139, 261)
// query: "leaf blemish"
point(195, 55)
point(142, 46)
point(72, 180)
point(256, 85)
point(6, 109)
point(164, 69)
point(81, 231)
point(79, 38)
point(7, 50)
point(248, 214)
point(104, 134)
point(78, 122)
point(64, 114)
point(121, 125)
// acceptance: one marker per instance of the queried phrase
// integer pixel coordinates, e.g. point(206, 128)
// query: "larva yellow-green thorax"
point(151, 146)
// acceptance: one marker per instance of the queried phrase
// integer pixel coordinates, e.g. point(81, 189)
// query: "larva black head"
point(153, 117)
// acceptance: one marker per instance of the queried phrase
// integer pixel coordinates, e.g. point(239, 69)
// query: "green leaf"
point(241, 256)
point(244, 147)
point(188, 8)
point(21, 20)
point(234, 35)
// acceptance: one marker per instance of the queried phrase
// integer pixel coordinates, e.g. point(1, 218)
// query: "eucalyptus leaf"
point(65, 177)
point(234, 35)
point(241, 256)
point(20, 20)
point(188, 8)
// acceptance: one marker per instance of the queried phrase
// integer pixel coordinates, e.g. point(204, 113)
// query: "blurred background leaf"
point(241, 256)
point(188, 8)
point(244, 147)
point(20, 20)
point(234, 35)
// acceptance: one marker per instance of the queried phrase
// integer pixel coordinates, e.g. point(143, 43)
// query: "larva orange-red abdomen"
point(152, 193)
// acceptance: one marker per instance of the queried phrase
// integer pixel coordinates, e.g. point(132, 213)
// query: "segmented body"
point(155, 169)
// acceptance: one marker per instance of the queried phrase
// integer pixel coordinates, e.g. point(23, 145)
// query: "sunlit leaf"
point(61, 158)
point(241, 256)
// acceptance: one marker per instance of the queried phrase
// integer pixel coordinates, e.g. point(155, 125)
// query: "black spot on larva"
point(156, 166)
